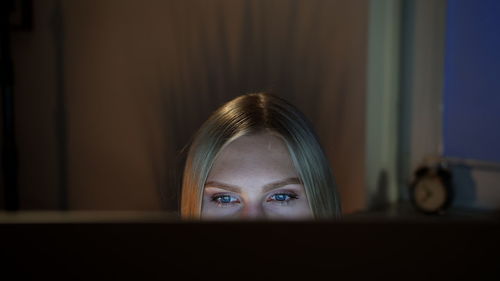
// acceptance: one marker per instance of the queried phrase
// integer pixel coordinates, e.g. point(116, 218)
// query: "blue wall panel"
point(471, 106)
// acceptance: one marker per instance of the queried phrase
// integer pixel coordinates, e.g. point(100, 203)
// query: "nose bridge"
point(253, 210)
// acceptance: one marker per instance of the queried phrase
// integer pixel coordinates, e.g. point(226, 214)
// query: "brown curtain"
point(139, 77)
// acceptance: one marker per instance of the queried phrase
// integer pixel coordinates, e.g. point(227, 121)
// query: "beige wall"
point(140, 77)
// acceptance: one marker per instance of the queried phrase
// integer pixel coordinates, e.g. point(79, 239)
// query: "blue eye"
point(225, 199)
point(282, 197)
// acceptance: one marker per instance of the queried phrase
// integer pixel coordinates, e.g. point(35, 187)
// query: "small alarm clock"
point(431, 191)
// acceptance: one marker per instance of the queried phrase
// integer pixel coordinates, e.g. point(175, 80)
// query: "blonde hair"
point(249, 114)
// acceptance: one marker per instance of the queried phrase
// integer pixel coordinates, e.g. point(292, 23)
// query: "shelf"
point(405, 211)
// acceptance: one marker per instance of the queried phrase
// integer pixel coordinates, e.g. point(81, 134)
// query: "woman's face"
point(254, 177)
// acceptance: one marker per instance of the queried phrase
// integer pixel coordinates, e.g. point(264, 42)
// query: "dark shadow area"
point(349, 250)
point(463, 185)
point(379, 201)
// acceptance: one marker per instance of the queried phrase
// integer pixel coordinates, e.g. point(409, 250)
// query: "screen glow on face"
point(254, 178)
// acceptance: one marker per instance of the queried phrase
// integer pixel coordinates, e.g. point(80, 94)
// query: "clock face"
point(430, 193)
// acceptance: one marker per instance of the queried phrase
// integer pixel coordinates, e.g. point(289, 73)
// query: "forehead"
point(260, 157)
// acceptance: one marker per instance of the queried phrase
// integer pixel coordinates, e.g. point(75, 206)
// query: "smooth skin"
point(254, 178)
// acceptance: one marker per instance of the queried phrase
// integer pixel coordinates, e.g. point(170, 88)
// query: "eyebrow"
point(266, 188)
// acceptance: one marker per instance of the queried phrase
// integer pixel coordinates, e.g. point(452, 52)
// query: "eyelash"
point(216, 198)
